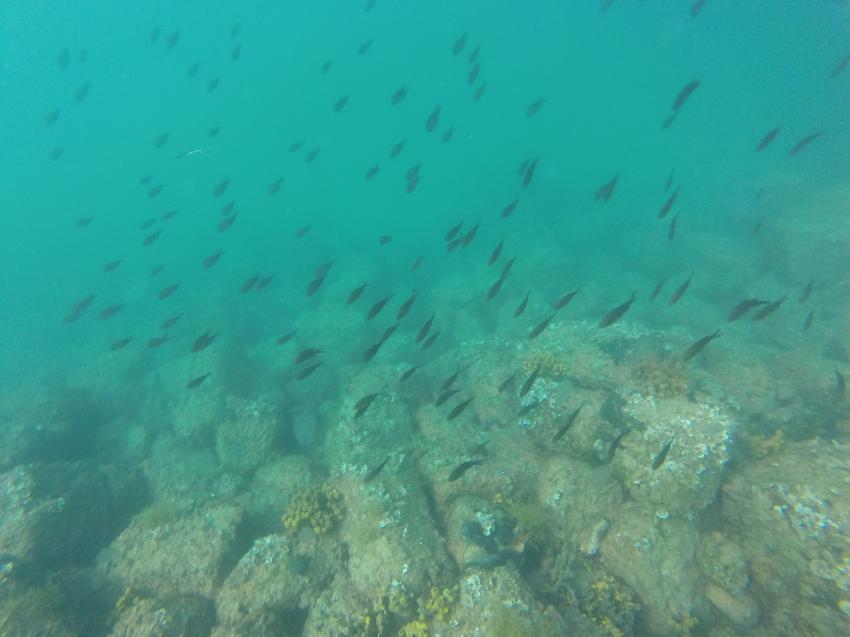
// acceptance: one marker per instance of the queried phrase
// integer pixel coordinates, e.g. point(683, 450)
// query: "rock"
point(182, 616)
point(188, 554)
point(244, 441)
point(32, 611)
point(63, 512)
point(740, 609)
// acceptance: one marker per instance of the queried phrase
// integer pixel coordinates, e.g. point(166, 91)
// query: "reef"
point(320, 508)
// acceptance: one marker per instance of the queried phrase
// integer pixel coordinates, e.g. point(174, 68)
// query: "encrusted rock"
point(740, 609)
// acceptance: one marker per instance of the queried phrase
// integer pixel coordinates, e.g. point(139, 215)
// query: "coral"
point(551, 366)
point(764, 447)
point(319, 507)
point(611, 607)
point(439, 604)
point(416, 628)
point(661, 376)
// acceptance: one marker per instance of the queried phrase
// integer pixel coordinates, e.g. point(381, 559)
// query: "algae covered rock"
point(62, 512)
point(31, 611)
point(190, 553)
point(245, 440)
point(181, 616)
point(675, 456)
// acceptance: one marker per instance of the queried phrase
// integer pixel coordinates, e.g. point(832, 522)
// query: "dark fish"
point(842, 64)
point(211, 260)
point(221, 187)
point(615, 444)
point(617, 313)
point(365, 46)
point(430, 341)
point(450, 247)
point(314, 285)
point(144, 181)
point(275, 186)
point(362, 405)
point(665, 209)
point(375, 471)
point(684, 94)
point(680, 291)
point(110, 311)
point(158, 341)
point(168, 290)
point(494, 256)
point(423, 331)
point(56, 153)
point(529, 173)
point(192, 71)
point(453, 231)
point(213, 131)
point(82, 91)
point(340, 103)
point(294, 146)
point(657, 290)
point(323, 268)
point(157, 269)
point(250, 283)
point(669, 181)
point(172, 40)
point(283, 340)
point(213, 84)
point(411, 185)
point(225, 223)
point(506, 269)
point(170, 322)
point(767, 310)
point(473, 55)
point(758, 224)
point(301, 231)
point(203, 341)
point(806, 293)
point(433, 119)
point(494, 289)
point(457, 47)
point(743, 307)
point(535, 106)
point(236, 29)
point(154, 190)
point(606, 190)
point(840, 384)
point(306, 372)
point(370, 4)
point(83, 222)
point(235, 52)
point(472, 75)
point(399, 94)
point(356, 293)
point(307, 353)
point(111, 265)
point(371, 172)
point(479, 92)
point(377, 307)
point(263, 281)
point(668, 122)
point(469, 236)
point(508, 210)
point(526, 409)
point(311, 155)
point(569, 423)
point(448, 393)
point(197, 381)
point(147, 223)
point(808, 322)
point(800, 145)
point(459, 408)
point(462, 468)
point(447, 136)
point(696, 348)
point(408, 373)
point(413, 172)
point(662, 455)
point(505, 384)
point(521, 307)
point(154, 34)
point(526, 386)
point(565, 300)
point(671, 231)
point(396, 149)
point(389, 332)
point(51, 117)
point(538, 330)
point(121, 343)
point(404, 308)
point(769, 136)
point(82, 305)
point(159, 140)
point(696, 7)
point(326, 66)
point(372, 350)
point(169, 214)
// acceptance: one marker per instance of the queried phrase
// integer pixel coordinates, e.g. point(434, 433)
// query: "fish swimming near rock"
point(306, 372)
point(405, 307)
point(494, 256)
point(197, 381)
point(407, 374)
point(743, 307)
point(120, 344)
point(283, 340)
point(569, 423)
point(375, 471)
point(617, 313)
point(680, 291)
point(698, 346)
point(430, 341)
point(541, 327)
point(807, 323)
point(307, 353)
point(521, 307)
point(462, 468)
point(459, 408)
point(444, 397)
point(203, 341)
point(565, 300)
point(505, 384)
point(661, 456)
point(526, 386)
point(494, 289)
point(423, 331)
point(362, 405)
point(657, 290)
point(377, 307)
point(769, 309)
point(668, 204)
point(806, 293)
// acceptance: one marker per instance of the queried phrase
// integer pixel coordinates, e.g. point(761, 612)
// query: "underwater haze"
point(384, 317)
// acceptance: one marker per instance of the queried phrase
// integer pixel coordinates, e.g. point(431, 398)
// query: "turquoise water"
point(750, 225)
